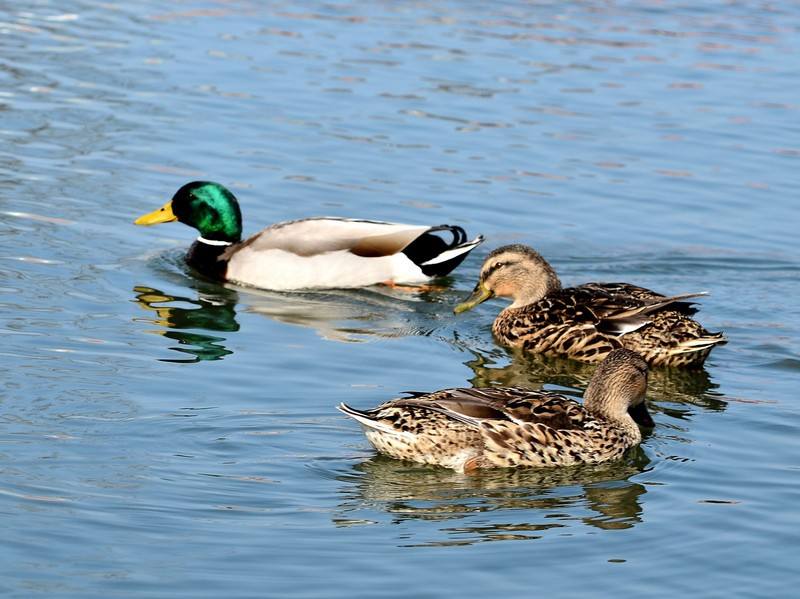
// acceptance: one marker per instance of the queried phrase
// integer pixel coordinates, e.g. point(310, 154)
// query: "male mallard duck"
point(465, 429)
point(308, 253)
point(589, 321)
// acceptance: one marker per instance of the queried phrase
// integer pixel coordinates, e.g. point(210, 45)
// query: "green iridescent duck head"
point(208, 207)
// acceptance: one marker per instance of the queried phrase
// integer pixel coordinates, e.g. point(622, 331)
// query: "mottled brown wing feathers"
point(465, 406)
point(627, 289)
point(472, 406)
point(648, 307)
point(615, 308)
point(629, 292)
point(559, 414)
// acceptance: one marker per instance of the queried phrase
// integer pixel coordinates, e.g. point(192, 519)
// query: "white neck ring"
point(202, 239)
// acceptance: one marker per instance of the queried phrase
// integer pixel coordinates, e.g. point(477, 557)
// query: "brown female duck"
point(589, 321)
point(466, 429)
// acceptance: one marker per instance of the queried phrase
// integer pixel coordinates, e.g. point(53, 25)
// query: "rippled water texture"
point(165, 436)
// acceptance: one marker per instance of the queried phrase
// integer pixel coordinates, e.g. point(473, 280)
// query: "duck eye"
point(493, 268)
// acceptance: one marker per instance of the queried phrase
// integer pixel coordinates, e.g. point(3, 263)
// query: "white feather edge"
point(455, 252)
point(216, 242)
point(695, 345)
point(371, 424)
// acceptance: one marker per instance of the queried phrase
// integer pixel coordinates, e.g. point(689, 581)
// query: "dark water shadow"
point(665, 385)
point(524, 503)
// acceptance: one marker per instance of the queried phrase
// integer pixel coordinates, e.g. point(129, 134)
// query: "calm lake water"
point(164, 436)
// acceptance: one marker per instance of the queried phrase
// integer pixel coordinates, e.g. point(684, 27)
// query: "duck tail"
point(437, 257)
point(700, 344)
point(364, 419)
point(689, 352)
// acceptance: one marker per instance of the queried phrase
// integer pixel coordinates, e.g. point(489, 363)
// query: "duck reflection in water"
point(532, 371)
point(343, 315)
point(525, 503)
point(206, 314)
point(352, 315)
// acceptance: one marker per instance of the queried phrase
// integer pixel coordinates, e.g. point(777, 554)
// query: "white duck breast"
point(333, 252)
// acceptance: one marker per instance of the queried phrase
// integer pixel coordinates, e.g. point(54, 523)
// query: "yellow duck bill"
point(479, 295)
point(162, 215)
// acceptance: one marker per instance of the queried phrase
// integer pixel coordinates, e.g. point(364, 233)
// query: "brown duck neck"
point(606, 404)
point(534, 287)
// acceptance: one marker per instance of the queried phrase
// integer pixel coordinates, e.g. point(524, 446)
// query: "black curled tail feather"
point(459, 234)
point(437, 256)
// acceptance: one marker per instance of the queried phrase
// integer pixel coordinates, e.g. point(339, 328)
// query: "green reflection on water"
point(207, 315)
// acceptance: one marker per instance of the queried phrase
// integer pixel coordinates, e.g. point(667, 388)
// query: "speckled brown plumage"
point(588, 321)
point(466, 429)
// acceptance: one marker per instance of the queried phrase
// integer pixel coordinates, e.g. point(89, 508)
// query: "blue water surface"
point(163, 436)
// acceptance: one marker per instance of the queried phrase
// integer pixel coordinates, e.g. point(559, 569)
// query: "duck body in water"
point(470, 429)
point(589, 321)
point(311, 253)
